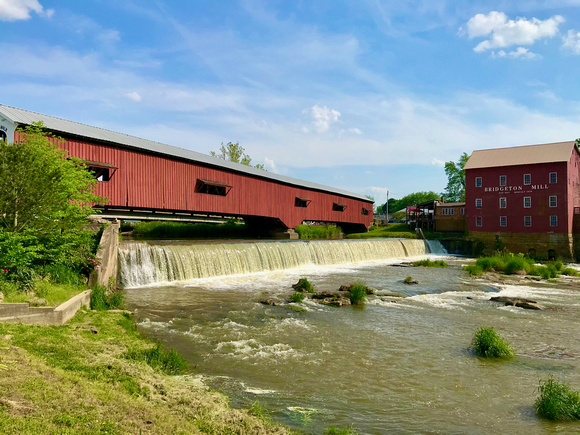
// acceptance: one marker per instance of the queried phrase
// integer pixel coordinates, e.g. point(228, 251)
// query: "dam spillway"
point(143, 263)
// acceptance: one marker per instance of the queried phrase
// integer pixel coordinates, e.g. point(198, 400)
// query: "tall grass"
point(358, 293)
point(180, 230)
point(510, 264)
point(168, 362)
point(303, 285)
point(318, 231)
point(103, 299)
point(557, 401)
point(430, 263)
point(488, 344)
point(297, 297)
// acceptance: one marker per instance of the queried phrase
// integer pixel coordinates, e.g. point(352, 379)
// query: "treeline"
point(411, 199)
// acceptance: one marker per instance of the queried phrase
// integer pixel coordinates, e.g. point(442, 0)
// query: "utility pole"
point(387, 206)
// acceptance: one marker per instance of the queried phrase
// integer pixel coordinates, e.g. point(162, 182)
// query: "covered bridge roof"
point(59, 125)
point(524, 155)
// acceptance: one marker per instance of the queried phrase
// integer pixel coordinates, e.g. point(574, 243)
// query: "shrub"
point(473, 269)
point(318, 231)
point(332, 430)
point(569, 271)
point(102, 300)
point(429, 263)
point(358, 293)
point(303, 285)
point(408, 280)
point(557, 401)
point(516, 264)
point(487, 343)
point(297, 297)
point(168, 362)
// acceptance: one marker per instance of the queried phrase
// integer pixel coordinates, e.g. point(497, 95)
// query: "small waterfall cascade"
point(144, 264)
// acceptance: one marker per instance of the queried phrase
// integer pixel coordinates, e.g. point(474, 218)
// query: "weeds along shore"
point(97, 374)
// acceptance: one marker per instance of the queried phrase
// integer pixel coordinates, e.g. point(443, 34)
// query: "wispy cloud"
point(519, 53)
point(503, 32)
point(14, 10)
point(571, 41)
point(322, 117)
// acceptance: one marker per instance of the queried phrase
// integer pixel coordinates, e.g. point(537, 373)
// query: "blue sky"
point(364, 95)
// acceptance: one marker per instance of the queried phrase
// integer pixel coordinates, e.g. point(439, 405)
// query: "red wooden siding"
point(161, 183)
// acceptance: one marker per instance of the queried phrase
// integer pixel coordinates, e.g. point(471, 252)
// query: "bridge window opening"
point(101, 171)
point(302, 202)
point(212, 187)
point(365, 211)
point(3, 136)
point(336, 206)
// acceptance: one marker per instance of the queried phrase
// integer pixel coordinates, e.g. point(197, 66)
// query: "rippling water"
point(397, 365)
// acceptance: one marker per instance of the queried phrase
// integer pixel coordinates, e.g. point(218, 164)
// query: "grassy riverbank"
point(86, 377)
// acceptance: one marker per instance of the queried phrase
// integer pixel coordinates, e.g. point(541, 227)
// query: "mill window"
point(502, 203)
point(553, 221)
point(527, 202)
point(478, 182)
point(503, 221)
point(478, 221)
point(527, 179)
point(553, 201)
point(478, 203)
point(553, 177)
point(527, 221)
point(503, 180)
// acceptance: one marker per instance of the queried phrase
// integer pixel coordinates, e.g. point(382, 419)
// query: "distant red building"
point(525, 198)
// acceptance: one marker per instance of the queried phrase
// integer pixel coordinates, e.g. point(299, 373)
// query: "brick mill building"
point(525, 198)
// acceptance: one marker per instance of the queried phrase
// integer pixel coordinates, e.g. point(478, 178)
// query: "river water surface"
point(396, 365)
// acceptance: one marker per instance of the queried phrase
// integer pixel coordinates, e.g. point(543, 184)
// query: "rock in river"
point(517, 302)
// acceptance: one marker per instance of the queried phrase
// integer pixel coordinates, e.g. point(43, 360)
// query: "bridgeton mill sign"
point(516, 189)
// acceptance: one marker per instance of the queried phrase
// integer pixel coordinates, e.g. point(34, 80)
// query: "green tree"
point(234, 152)
point(41, 188)
point(455, 190)
point(411, 199)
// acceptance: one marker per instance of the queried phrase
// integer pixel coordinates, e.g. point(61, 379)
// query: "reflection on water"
point(398, 365)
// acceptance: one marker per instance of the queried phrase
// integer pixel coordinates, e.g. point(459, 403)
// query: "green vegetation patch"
point(69, 379)
point(297, 297)
point(333, 430)
point(303, 285)
point(180, 230)
point(557, 401)
point(430, 263)
point(395, 230)
point(358, 293)
point(103, 299)
point(513, 264)
point(318, 231)
point(488, 344)
point(169, 362)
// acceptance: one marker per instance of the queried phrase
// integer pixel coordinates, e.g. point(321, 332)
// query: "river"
point(395, 365)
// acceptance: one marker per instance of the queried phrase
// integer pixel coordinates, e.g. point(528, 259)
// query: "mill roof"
point(522, 155)
point(59, 125)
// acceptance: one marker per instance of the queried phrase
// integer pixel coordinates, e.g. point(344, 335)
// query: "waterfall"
point(143, 263)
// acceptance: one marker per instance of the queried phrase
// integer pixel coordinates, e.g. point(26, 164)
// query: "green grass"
point(488, 344)
point(257, 409)
point(510, 264)
point(297, 309)
point(430, 263)
point(103, 299)
point(180, 230)
point(557, 401)
point(297, 297)
point(358, 294)
point(67, 379)
point(332, 430)
point(54, 294)
point(399, 231)
point(168, 362)
point(303, 285)
point(318, 231)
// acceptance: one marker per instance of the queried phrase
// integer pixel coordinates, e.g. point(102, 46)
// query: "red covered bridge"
point(144, 179)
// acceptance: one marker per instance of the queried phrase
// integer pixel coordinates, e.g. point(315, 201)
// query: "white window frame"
point(553, 198)
point(529, 179)
point(478, 181)
point(503, 180)
point(554, 221)
point(555, 175)
point(527, 221)
point(503, 202)
point(503, 221)
point(478, 201)
point(478, 221)
point(529, 199)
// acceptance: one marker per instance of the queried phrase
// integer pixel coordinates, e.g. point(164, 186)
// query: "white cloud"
point(505, 33)
point(436, 162)
point(323, 117)
point(270, 165)
point(572, 41)
point(135, 96)
point(519, 53)
point(13, 10)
